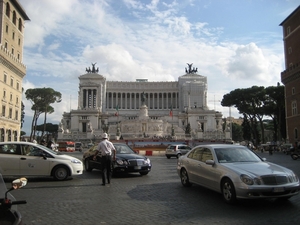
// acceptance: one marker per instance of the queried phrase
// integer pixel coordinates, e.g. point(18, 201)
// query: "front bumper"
point(131, 169)
point(77, 169)
point(264, 191)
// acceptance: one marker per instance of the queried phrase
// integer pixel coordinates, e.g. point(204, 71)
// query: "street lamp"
point(188, 126)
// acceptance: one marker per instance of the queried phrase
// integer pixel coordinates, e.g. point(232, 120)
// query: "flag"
point(171, 111)
point(117, 111)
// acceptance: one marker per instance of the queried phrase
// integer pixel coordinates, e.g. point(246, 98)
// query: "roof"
point(298, 8)
point(20, 9)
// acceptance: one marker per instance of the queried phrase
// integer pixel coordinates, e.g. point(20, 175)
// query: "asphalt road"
point(157, 198)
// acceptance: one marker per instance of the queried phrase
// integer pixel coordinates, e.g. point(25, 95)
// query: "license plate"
point(137, 167)
point(278, 189)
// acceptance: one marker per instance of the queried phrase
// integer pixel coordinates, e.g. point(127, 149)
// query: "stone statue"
point(143, 98)
point(190, 67)
point(93, 69)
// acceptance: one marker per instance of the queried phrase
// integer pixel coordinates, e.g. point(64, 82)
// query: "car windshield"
point(124, 149)
point(234, 154)
point(49, 150)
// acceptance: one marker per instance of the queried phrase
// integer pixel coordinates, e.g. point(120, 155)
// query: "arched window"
point(2, 135)
point(20, 24)
point(14, 18)
point(15, 136)
point(7, 12)
point(9, 135)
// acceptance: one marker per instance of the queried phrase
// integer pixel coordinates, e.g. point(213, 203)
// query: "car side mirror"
point(210, 162)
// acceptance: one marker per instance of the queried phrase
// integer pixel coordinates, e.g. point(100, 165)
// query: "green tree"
point(41, 98)
point(51, 129)
point(237, 132)
point(275, 108)
point(249, 102)
point(255, 104)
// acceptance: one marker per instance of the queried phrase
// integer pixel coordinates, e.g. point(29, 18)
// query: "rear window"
point(172, 147)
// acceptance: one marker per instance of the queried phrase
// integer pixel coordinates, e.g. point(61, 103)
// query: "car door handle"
point(22, 158)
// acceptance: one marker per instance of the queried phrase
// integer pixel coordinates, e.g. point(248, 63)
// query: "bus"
point(66, 146)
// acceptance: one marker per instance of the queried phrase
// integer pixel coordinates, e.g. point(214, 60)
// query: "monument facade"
point(141, 109)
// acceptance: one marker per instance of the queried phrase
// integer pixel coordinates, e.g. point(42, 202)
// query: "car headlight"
point(293, 178)
point(147, 161)
point(247, 179)
point(76, 161)
point(121, 162)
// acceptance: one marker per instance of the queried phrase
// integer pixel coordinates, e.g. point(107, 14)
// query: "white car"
point(31, 159)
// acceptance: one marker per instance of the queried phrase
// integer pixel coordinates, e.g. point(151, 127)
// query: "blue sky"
point(235, 43)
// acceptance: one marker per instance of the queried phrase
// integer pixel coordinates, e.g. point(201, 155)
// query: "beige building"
point(12, 69)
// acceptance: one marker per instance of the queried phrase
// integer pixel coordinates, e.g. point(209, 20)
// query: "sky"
point(234, 43)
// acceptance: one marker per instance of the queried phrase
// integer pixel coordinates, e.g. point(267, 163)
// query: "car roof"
point(221, 146)
point(18, 142)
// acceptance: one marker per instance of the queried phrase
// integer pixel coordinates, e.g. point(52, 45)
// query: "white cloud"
point(133, 39)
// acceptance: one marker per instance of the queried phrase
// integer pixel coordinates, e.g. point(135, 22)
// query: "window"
point(11, 82)
point(291, 65)
point(20, 24)
point(10, 113)
point(12, 51)
point(5, 78)
point(18, 56)
point(293, 90)
point(4, 94)
point(290, 50)
point(17, 100)
point(14, 20)
point(9, 149)
point(13, 35)
point(6, 28)
point(5, 45)
point(18, 86)
point(17, 115)
point(3, 110)
point(206, 155)
point(296, 133)
point(19, 41)
point(84, 127)
point(294, 108)
point(288, 30)
point(7, 11)
point(11, 97)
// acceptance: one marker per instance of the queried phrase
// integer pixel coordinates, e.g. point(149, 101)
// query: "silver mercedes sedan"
point(236, 172)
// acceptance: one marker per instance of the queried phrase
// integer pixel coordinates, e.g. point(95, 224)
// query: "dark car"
point(127, 161)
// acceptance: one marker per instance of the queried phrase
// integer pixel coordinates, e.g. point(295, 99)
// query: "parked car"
point(31, 159)
point(177, 150)
point(127, 161)
point(78, 146)
point(236, 172)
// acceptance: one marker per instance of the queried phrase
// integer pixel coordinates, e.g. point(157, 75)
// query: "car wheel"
point(294, 156)
point(228, 191)
point(144, 173)
point(178, 155)
point(184, 177)
point(60, 173)
point(87, 165)
point(168, 157)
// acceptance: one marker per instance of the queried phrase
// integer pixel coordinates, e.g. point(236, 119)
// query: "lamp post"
point(230, 122)
point(188, 126)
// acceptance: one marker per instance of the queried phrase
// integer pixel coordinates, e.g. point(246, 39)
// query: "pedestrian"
point(107, 153)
